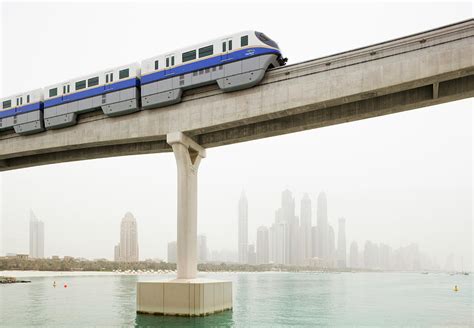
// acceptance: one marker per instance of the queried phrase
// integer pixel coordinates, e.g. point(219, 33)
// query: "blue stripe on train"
point(92, 92)
point(187, 68)
point(21, 110)
point(206, 63)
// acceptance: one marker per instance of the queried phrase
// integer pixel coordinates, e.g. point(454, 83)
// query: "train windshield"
point(265, 39)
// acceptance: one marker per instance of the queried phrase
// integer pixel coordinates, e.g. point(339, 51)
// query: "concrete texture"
point(188, 155)
point(184, 297)
point(416, 71)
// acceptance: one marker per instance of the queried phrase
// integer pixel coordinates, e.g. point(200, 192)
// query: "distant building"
point(262, 245)
point(127, 250)
point(117, 253)
point(323, 230)
point(202, 249)
point(243, 229)
point(354, 255)
point(279, 235)
point(252, 256)
point(314, 242)
point(331, 258)
point(341, 244)
point(22, 256)
point(172, 252)
point(306, 228)
point(36, 237)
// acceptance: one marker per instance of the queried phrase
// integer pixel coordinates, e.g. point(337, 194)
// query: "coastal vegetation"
point(105, 265)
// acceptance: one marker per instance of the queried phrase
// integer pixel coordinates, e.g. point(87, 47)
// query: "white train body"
point(234, 62)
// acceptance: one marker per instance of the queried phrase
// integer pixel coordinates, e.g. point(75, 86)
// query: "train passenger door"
point(109, 77)
point(227, 47)
point(169, 64)
point(66, 89)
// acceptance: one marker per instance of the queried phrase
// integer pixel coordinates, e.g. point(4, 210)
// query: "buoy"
point(65, 285)
point(456, 289)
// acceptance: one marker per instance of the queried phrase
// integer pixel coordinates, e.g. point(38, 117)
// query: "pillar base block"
point(184, 297)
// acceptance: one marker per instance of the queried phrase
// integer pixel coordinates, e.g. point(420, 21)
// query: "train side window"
point(93, 81)
point(7, 104)
point(53, 92)
point(64, 89)
point(167, 62)
point(224, 48)
point(156, 64)
point(80, 85)
point(172, 60)
point(21, 100)
point(124, 73)
point(230, 45)
point(111, 77)
point(206, 51)
point(189, 55)
point(244, 41)
point(17, 101)
point(106, 78)
point(28, 99)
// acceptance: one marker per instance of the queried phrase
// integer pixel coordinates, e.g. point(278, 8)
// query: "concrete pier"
point(186, 295)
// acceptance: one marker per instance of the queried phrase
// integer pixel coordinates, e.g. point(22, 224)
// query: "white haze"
point(396, 179)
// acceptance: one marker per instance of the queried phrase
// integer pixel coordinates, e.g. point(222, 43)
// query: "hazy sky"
point(396, 179)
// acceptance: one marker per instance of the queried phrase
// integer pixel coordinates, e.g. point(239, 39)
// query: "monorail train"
point(234, 62)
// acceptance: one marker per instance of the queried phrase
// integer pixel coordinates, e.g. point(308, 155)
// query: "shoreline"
point(171, 273)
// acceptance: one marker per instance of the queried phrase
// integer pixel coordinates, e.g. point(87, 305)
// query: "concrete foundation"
point(184, 297)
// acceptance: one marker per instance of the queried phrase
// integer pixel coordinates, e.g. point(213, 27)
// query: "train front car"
point(114, 91)
point(23, 112)
point(235, 62)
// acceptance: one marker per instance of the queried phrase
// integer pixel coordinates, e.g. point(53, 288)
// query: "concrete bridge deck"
point(415, 71)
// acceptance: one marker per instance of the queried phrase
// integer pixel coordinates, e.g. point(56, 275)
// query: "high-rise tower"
point(323, 230)
point(36, 237)
point(262, 245)
point(306, 233)
point(341, 244)
point(128, 247)
point(243, 228)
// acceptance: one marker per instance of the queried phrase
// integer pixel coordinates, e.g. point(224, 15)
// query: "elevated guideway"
point(411, 72)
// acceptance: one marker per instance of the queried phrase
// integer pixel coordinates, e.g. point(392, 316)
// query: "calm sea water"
point(260, 300)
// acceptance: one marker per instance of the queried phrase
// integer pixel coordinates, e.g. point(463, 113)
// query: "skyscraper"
point(262, 245)
point(322, 218)
point(252, 256)
point(128, 247)
point(341, 244)
point(172, 252)
point(354, 255)
point(331, 258)
point(279, 240)
point(314, 242)
point(243, 228)
point(306, 227)
point(202, 249)
point(36, 237)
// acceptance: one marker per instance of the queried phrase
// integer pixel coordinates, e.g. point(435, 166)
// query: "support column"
point(188, 156)
point(186, 295)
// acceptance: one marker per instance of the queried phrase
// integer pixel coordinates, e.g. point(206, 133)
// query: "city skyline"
point(372, 255)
